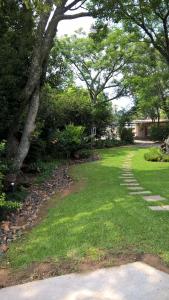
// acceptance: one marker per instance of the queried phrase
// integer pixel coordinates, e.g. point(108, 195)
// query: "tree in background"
point(97, 63)
point(149, 19)
point(147, 78)
point(72, 105)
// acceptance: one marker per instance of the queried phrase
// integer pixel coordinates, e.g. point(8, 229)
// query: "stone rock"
point(3, 248)
point(5, 225)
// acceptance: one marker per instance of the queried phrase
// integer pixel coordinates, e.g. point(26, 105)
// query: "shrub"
point(83, 153)
point(165, 157)
point(37, 150)
point(126, 135)
point(69, 140)
point(2, 147)
point(3, 163)
point(108, 143)
point(154, 154)
point(6, 206)
point(159, 133)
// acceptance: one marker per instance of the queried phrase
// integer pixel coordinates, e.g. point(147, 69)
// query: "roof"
point(145, 121)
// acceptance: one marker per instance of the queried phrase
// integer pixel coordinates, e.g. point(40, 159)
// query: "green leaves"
point(97, 62)
point(149, 19)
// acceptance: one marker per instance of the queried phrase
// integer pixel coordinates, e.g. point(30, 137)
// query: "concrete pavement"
point(135, 281)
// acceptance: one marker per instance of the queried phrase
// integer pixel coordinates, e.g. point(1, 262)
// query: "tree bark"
point(12, 145)
point(27, 131)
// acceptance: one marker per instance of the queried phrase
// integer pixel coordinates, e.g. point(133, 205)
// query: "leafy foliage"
point(126, 135)
point(140, 17)
point(83, 153)
point(155, 154)
point(107, 143)
point(97, 63)
point(159, 133)
point(16, 39)
point(69, 140)
point(72, 105)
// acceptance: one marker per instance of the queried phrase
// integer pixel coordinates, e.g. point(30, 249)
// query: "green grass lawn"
point(101, 216)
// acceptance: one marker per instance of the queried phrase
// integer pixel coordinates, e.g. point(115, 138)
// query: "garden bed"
point(26, 216)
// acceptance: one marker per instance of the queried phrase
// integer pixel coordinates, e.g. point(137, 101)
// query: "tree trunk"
point(158, 117)
point(12, 144)
point(27, 131)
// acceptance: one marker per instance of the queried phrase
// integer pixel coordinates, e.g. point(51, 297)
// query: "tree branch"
point(79, 15)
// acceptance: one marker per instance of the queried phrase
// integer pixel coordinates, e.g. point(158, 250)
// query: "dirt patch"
point(4, 277)
point(47, 269)
point(156, 262)
point(73, 188)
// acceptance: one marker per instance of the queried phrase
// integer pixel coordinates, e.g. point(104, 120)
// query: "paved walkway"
point(135, 281)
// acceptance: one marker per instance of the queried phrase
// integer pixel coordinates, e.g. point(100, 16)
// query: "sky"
point(69, 27)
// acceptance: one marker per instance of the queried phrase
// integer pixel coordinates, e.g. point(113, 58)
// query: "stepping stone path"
point(127, 177)
point(154, 198)
point(135, 189)
point(130, 184)
point(159, 208)
point(130, 180)
point(140, 193)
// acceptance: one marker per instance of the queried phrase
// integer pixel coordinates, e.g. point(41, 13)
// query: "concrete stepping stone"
point(140, 193)
point(135, 188)
point(154, 198)
point(130, 184)
point(160, 208)
point(126, 177)
point(126, 167)
point(130, 180)
point(127, 173)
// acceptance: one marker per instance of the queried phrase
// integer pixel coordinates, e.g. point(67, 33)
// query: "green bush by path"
point(155, 154)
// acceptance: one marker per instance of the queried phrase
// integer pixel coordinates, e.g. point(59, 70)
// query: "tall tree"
point(48, 14)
